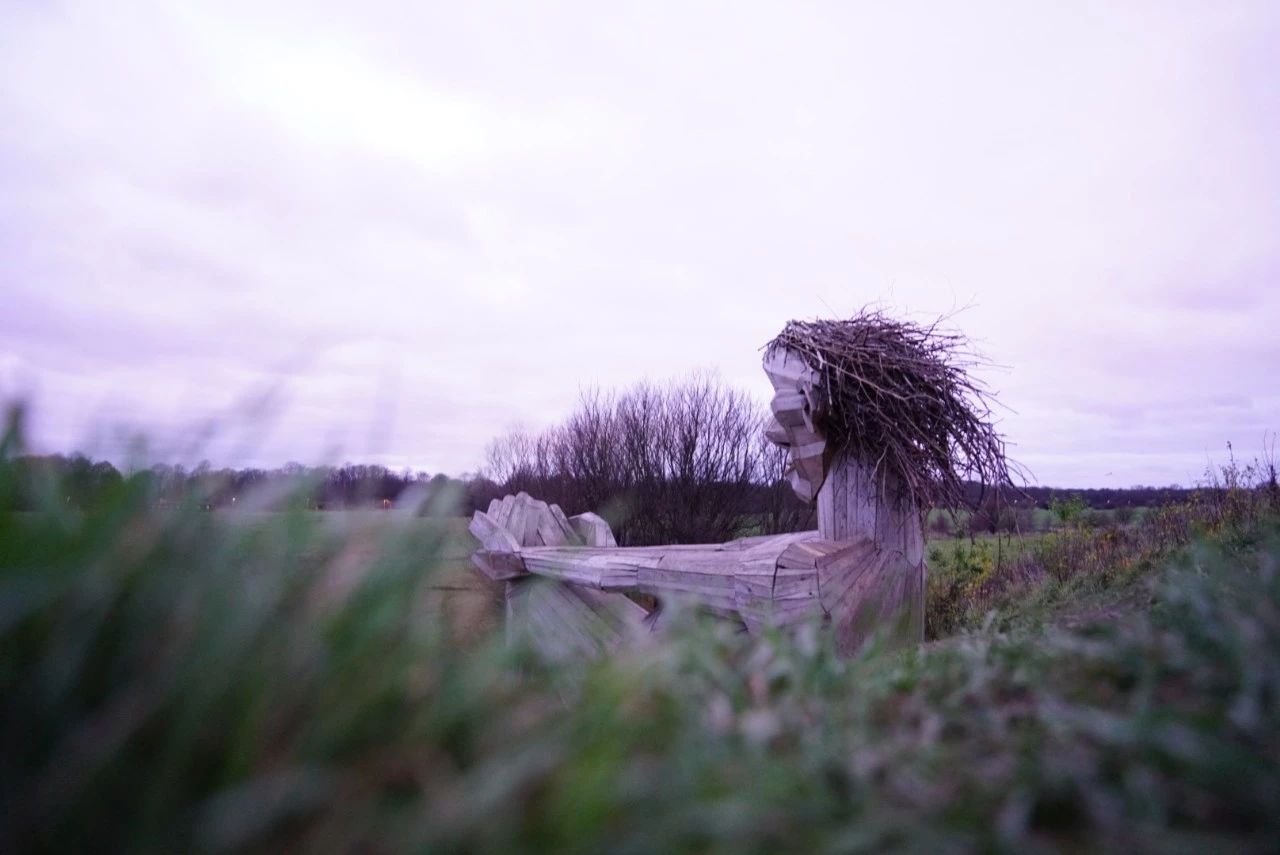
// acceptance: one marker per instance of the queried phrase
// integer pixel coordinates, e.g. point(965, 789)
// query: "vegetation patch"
point(173, 679)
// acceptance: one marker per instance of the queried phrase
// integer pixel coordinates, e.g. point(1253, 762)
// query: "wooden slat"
point(791, 612)
point(787, 369)
point(492, 534)
point(562, 522)
point(805, 553)
point(846, 553)
point(853, 504)
point(499, 566)
point(504, 510)
point(796, 584)
point(564, 622)
point(788, 408)
point(593, 530)
point(882, 594)
point(549, 531)
point(838, 582)
point(603, 572)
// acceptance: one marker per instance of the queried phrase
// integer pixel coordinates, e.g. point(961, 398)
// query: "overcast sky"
point(414, 224)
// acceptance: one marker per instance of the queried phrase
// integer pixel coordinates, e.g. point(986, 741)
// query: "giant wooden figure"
point(863, 569)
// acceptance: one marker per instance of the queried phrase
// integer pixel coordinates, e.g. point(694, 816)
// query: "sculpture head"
point(799, 407)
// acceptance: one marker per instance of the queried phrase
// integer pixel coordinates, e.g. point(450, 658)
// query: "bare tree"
point(507, 456)
point(674, 464)
point(780, 509)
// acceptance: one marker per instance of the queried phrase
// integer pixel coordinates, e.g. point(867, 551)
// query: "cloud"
point(450, 218)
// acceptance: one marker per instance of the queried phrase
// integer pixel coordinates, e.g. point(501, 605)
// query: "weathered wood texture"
point(567, 622)
point(591, 529)
point(796, 411)
point(870, 577)
point(734, 579)
point(854, 505)
point(562, 620)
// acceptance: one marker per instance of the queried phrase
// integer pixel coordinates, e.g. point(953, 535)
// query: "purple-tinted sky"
point(418, 223)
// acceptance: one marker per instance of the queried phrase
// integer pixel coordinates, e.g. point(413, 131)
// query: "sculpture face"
point(797, 405)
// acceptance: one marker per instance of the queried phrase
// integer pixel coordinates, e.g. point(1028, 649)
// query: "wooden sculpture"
point(840, 389)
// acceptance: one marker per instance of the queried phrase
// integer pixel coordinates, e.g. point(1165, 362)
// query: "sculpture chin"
point(805, 491)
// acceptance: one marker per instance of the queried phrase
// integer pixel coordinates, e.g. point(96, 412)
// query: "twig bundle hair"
point(899, 396)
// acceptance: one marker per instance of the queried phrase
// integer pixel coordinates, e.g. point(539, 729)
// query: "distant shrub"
point(1233, 504)
point(1095, 519)
point(1068, 511)
point(941, 523)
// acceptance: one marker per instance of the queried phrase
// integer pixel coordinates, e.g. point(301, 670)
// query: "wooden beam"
point(565, 622)
point(492, 534)
point(499, 566)
point(593, 530)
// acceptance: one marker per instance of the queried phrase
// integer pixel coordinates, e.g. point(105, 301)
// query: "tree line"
point(86, 484)
point(684, 462)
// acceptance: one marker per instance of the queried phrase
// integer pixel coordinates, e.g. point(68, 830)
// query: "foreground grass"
point(177, 680)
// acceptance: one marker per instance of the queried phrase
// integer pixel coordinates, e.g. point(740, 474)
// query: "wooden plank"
point(846, 553)
point(786, 604)
point(843, 509)
point(593, 530)
point(776, 544)
point(838, 584)
point(596, 572)
point(787, 369)
point(491, 534)
point(575, 614)
point(514, 519)
point(570, 536)
point(499, 566)
point(709, 562)
point(765, 541)
point(563, 622)
point(785, 613)
point(567, 555)
point(524, 521)
point(801, 585)
point(805, 553)
point(854, 503)
point(549, 530)
point(655, 579)
point(788, 407)
point(837, 573)
point(704, 588)
point(881, 595)
point(624, 613)
point(504, 510)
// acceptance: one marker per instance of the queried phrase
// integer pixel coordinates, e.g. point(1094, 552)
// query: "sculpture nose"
point(777, 434)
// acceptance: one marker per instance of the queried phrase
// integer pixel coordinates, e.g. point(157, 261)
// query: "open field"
point(186, 680)
point(443, 546)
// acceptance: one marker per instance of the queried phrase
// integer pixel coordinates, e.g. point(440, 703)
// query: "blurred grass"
point(183, 680)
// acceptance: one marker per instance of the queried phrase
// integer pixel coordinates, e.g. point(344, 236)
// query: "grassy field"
point(181, 680)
